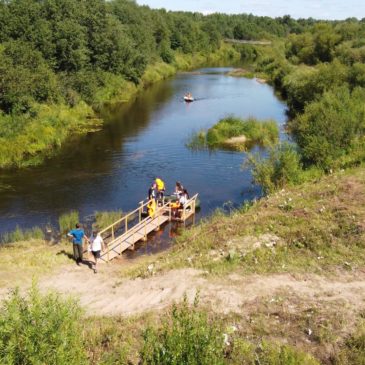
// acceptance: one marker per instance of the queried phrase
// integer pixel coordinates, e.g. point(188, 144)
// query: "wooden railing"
point(121, 227)
point(189, 207)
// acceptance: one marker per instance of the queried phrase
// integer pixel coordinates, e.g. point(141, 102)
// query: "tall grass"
point(245, 353)
point(68, 221)
point(186, 337)
point(40, 329)
point(104, 219)
point(22, 235)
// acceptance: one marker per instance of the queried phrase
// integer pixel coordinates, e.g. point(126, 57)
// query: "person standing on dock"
point(152, 192)
point(179, 189)
point(78, 235)
point(160, 188)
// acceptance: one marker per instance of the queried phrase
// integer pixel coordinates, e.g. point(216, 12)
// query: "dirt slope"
point(105, 294)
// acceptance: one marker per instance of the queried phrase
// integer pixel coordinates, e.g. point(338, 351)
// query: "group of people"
point(96, 242)
point(96, 245)
point(156, 196)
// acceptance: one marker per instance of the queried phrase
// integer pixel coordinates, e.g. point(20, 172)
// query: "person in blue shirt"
point(78, 235)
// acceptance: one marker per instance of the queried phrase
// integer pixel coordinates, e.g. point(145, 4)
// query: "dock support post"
point(145, 233)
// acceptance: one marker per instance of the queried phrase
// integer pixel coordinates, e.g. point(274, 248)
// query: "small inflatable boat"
point(188, 99)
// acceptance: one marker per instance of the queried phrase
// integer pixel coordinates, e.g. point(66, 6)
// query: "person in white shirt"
point(97, 245)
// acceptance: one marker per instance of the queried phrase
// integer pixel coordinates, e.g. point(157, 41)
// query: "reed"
point(68, 221)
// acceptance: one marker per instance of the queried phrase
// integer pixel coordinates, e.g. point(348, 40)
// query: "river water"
point(113, 168)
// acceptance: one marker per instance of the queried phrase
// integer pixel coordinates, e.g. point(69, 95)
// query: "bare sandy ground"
point(106, 294)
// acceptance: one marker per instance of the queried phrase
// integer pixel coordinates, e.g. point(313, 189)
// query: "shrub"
point(197, 140)
point(331, 131)
point(68, 221)
point(281, 168)
point(186, 337)
point(40, 330)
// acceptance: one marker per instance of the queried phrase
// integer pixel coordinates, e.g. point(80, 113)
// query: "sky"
point(318, 9)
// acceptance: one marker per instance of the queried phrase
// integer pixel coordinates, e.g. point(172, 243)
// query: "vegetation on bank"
point(236, 134)
point(19, 234)
point(54, 330)
point(40, 330)
point(312, 228)
point(60, 62)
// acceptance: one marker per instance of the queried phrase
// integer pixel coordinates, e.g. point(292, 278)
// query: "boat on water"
point(188, 98)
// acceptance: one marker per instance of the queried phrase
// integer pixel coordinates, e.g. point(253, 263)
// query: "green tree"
point(331, 128)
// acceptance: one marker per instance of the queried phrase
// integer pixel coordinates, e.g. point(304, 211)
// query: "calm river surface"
point(113, 168)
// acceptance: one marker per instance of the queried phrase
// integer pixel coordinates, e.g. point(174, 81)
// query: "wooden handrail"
point(132, 230)
point(125, 217)
point(141, 224)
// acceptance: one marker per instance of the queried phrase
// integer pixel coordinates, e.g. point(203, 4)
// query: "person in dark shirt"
point(78, 235)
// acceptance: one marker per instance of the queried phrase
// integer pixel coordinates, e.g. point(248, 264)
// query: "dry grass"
point(22, 261)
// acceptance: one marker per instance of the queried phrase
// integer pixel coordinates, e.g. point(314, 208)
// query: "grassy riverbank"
point(298, 240)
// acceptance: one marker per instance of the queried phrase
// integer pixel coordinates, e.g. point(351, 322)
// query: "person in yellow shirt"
point(151, 208)
point(160, 188)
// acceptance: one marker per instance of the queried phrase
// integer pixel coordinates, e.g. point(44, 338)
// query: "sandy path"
point(106, 294)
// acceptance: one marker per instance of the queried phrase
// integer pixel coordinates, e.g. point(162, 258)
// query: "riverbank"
point(287, 269)
point(41, 132)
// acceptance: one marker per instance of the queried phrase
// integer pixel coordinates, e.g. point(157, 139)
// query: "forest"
point(62, 59)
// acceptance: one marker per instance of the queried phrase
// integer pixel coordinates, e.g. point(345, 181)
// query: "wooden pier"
point(127, 231)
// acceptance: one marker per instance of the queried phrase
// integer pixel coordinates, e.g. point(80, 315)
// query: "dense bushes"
point(332, 128)
point(282, 167)
point(40, 330)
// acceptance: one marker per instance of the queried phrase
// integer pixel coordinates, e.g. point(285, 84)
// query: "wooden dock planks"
point(122, 234)
point(135, 234)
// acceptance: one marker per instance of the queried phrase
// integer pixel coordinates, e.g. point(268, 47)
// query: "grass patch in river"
point(236, 134)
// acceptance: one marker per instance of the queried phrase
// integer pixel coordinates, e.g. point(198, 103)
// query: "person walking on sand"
point(78, 235)
point(97, 245)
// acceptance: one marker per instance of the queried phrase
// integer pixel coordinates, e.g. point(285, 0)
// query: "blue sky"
point(319, 9)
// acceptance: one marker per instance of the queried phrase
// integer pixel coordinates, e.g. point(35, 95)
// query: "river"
point(113, 168)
